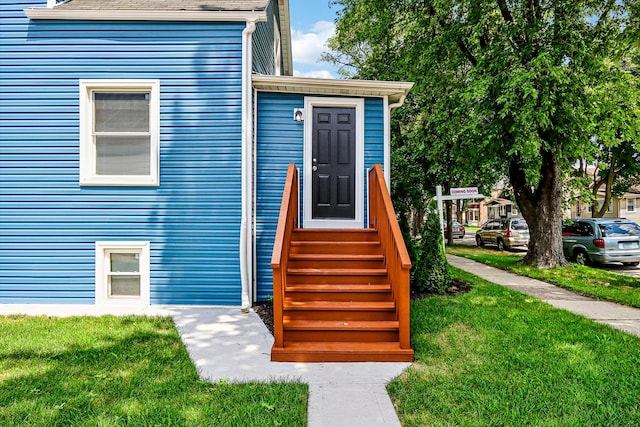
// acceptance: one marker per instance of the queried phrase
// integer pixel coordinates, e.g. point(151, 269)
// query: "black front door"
point(333, 163)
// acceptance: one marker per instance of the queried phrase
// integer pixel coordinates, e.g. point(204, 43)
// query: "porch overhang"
point(396, 92)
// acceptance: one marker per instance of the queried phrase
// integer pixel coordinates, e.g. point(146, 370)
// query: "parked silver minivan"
point(601, 240)
point(505, 233)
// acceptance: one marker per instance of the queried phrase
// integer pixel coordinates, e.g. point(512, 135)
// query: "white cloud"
point(308, 46)
point(317, 74)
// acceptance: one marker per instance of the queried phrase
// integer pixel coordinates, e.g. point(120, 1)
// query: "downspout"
point(246, 249)
point(387, 136)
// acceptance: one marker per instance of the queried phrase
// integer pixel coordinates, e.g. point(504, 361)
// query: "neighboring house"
point(145, 143)
point(500, 208)
point(478, 212)
point(626, 206)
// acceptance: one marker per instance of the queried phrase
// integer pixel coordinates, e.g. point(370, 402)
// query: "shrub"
point(430, 267)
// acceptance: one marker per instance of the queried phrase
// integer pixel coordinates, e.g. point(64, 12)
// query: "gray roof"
point(177, 5)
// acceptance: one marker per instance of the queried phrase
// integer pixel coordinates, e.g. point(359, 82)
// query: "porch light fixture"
point(298, 114)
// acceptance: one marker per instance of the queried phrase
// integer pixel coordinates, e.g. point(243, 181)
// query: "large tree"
point(506, 83)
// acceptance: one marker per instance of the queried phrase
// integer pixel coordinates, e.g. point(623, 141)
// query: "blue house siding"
point(49, 223)
point(280, 141)
point(263, 42)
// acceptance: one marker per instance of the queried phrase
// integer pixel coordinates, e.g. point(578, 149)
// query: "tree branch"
point(531, 9)
point(504, 10)
point(467, 53)
point(605, 13)
point(523, 193)
point(608, 187)
point(461, 44)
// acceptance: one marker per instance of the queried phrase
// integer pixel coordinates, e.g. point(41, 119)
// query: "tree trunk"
point(598, 211)
point(541, 207)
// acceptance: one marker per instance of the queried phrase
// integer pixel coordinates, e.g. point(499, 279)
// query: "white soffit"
point(396, 91)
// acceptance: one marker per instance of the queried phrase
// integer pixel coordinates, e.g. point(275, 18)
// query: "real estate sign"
point(465, 191)
point(454, 194)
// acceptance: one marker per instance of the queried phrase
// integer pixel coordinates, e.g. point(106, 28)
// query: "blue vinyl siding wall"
point(49, 224)
point(280, 141)
point(263, 42)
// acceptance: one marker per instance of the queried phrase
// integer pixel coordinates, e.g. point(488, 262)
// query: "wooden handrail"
point(382, 217)
point(287, 222)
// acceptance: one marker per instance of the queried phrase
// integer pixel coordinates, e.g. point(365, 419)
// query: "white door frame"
point(309, 104)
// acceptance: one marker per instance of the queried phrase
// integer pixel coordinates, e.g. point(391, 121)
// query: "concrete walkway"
point(618, 316)
point(226, 344)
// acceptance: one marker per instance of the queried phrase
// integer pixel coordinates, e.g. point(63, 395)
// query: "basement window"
point(122, 273)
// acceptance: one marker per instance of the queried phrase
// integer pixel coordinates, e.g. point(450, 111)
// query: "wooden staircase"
point(334, 296)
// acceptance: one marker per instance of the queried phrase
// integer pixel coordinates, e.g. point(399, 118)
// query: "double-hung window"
point(119, 132)
point(631, 205)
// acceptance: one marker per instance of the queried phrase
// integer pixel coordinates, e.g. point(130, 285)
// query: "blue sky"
point(312, 23)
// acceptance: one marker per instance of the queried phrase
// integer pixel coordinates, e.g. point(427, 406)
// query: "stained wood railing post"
point(382, 217)
point(287, 222)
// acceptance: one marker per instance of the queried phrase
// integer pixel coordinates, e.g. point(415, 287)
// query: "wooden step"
point(314, 257)
point(335, 235)
point(337, 275)
point(331, 247)
point(338, 310)
point(340, 288)
point(294, 305)
point(339, 292)
point(340, 262)
point(311, 271)
point(341, 352)
point(337, 325)
point(341, 330)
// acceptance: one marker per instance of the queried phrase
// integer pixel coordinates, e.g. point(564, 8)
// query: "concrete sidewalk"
point(226, 344)
point(618, 316)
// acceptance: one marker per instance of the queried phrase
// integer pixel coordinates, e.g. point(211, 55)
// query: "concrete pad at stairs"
point(618, 316)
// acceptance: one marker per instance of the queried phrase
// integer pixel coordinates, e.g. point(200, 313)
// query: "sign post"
point(455, 194)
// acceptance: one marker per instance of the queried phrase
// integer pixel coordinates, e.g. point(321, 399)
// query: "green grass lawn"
point(114, 371)
point(595, 282)
point(495, 357)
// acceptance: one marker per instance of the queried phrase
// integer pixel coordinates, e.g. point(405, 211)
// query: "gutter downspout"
point(387, 131)
point(246, 249)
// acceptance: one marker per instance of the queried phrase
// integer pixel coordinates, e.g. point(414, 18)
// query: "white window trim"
point(600, 203)
point(102, 269)
point(309, 104)
point(635, 204)
point(87, 147)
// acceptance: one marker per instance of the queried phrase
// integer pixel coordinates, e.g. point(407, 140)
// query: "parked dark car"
point(601, 240)
point(505, 233)
point(457, 230)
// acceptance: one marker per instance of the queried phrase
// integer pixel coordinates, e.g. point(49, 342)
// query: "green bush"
point(430, 267)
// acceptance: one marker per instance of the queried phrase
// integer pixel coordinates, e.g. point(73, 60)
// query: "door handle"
point(314, 168)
